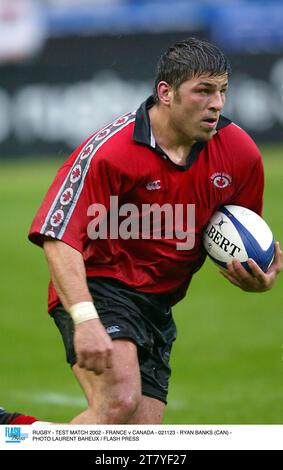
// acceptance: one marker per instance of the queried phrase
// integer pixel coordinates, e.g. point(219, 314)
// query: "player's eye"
point(204, 91)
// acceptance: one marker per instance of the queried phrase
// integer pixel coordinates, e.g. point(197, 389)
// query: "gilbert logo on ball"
point(234, 232)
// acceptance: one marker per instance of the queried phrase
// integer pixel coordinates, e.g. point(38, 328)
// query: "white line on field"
point(62, 399)
point(177, 405)
point(58, 399)
point(68, 400)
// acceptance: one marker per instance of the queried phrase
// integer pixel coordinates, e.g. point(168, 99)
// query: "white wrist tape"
point(83, 311)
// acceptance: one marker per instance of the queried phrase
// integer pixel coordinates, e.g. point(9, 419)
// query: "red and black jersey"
point(123, 160)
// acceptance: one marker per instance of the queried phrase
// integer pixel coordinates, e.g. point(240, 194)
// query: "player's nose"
point(217, 101)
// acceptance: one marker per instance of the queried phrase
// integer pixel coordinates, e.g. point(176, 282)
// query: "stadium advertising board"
point(79, 84)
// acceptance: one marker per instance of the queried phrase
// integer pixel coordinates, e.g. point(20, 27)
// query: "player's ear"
point(165, 93)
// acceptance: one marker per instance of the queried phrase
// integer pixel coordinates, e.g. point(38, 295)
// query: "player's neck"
point(174, 144)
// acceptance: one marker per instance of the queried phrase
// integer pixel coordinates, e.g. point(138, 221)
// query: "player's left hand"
point(257, 280)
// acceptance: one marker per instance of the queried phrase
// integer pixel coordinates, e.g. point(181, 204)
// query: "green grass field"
point(227, 361)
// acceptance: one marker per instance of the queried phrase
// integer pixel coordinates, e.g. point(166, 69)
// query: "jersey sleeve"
point(251, 193)
point(250, 176)
point(86, 178)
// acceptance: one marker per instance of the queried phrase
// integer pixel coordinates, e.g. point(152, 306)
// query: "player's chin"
point(205, 136)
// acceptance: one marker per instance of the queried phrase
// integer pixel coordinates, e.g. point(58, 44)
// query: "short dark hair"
point(187, 59)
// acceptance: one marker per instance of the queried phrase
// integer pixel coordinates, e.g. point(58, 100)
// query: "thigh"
point(147, 325)
point(101, 390)
point(123, 377)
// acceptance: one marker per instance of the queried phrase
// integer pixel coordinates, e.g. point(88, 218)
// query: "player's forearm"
point(67, 272)
point(92, 344)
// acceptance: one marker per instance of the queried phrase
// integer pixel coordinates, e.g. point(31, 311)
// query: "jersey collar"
point(143, 135)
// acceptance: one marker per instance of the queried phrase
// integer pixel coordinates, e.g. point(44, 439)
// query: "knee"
point(122, 406)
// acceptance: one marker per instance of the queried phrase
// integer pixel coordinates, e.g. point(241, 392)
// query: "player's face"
point(196, 105)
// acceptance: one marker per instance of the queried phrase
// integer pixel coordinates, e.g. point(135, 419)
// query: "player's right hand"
point(93, 346)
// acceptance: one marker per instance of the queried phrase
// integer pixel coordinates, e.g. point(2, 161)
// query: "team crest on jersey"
point(67, 196)
point(57, 218)
point(221, 180)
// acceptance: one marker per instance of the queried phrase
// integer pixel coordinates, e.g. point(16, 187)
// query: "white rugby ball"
point(234, 232)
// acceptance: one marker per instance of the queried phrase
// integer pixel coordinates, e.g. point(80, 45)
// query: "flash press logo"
point(14, 435)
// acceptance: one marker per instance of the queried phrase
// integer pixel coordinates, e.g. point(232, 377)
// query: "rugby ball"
point(235, 232)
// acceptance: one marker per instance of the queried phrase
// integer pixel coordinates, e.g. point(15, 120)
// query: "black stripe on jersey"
point(223, 122)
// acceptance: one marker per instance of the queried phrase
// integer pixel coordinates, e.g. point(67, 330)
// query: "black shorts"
point(144, 318)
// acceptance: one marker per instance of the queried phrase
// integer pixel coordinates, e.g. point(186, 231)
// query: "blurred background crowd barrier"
point(68, 67)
